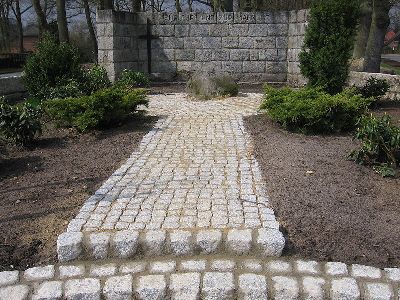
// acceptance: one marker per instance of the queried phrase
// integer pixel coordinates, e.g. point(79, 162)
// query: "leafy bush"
point(103, 108)
point(374, 88)
point(380, 144)
point(70, 88)
point(20, 123)
point(95, 79)
point(312, 110)
point(206, 87)
point(130, 78)
point(51, 65)
point(328, 43)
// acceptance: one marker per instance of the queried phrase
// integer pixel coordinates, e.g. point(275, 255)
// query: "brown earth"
point(42, 189)
point(330, 208)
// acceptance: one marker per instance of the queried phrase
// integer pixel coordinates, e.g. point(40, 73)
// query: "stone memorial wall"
point(251, 46)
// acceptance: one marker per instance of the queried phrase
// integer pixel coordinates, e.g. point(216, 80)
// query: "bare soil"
point(330, 208)
point(41, 189)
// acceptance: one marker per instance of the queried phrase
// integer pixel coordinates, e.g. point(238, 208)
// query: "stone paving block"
point(48, 290)
point(193, 265)
point(239, 241)
point(132, 267)
point(278, 266)
point(252, 287)
point(98, 245)
point(79, 289)
point(71, 271)
point(336, 268)
point(181, 242)
point(365, 271)
point(270, 242)
point(286, 288)
point(15, 292)
point(118, 288)
point(39, 273)
point(253, 265)
point(150, 287)
point(378, 291)
point(8, 277)
point(313, 288)
point(103, 270)
point(185, 286)
point(310, 267)
point(392, 274)
point(209, 241)
point(162, 267)
point(223, 265)
point(153, 243)
point(218, 285)
point(125, 243)
point(69, 246)
point(345, 289)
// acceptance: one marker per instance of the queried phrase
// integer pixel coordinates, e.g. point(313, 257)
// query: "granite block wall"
point(251, 46)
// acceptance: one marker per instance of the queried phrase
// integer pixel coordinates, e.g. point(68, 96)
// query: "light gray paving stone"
point(270, 242)
point(208, 241)
point(336, 268)
point(14, 292)
point(253, 265)
point(218, 285)
point(378, 291)
point(365, 271)
point(118, 288)
point(286, 288)
point(279, 266)
point(313, 288)
point(185, 286)
point(39, 273)
point(193, 265)
point(310, 267)
point(125, 243)
point(162, 267)
point(150, 287)
point(181, 242)
point(392, 274)
point(132, 267)
point(239, 241)
point(252, 287)
point(103, 270)
point(8, 277)
point(48, 290)
point(69, 246)
point(345, 289)
point(79, 289)
point(98, 244)
point(153, 242)
point(223, 265)
point(71, 271)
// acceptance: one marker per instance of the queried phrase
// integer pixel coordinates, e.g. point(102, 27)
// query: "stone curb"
point(205, 277)
point(129, 243)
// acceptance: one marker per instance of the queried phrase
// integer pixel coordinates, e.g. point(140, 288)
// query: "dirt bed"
point(330, 208)
point(43, 188)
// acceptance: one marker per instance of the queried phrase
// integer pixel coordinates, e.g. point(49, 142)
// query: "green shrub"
point(312, 110)
point(20, 123)
point(328, 43)
point(66, 89)
point(130, 78)
point(95, 79)
point(374, 88)
point(207, 87)
point(380, 144)
point(101, 109)
point(51, 65)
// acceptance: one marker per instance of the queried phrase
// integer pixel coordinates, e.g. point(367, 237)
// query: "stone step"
point(129, 243)
point(201, 277)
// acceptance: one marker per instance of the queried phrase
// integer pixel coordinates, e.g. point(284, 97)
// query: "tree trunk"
point(363, 30)
point(62, 23)
point(106, 4)
point(18, 17)
point(89, 22)
point(41, 16)
point(178, 6)
point(190, 3)
point(379, 25)
point(136, 5)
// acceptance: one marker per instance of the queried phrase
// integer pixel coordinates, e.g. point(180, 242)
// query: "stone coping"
point(129, 243)
point(205, 277)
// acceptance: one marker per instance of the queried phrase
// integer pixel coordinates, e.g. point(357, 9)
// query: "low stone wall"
point(12, 88)
point(360, 78)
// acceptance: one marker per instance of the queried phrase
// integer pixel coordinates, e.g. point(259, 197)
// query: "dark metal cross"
point(148, 37)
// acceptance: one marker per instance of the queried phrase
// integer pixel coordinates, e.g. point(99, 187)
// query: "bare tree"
point(41, 16)
point(363, 29)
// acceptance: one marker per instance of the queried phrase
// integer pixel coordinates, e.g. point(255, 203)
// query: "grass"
point(388, 67)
